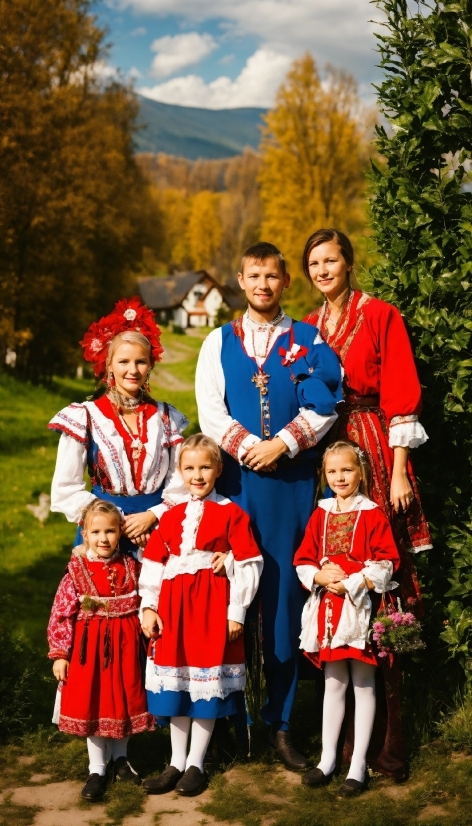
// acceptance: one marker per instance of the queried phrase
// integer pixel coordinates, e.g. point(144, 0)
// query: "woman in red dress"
point(94, 639)
point(382, 401)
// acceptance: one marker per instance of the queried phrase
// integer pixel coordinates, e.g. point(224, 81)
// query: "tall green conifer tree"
point(422, 214)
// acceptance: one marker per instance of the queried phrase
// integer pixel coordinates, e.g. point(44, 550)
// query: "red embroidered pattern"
point(237, 325)
point(62, 621)
point(233, 438)
point(339, 532)
point(105, 727)
point(302, 431)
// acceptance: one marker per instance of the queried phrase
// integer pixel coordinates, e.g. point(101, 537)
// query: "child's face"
point(263, 282)
point(342, 473)
point(199, 470)
point(102, 533)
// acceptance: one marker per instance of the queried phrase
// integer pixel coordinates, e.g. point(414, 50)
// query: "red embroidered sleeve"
point(302, 431)
point(62, 620)
point(233, 438)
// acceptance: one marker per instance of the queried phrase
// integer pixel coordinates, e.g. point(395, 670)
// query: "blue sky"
point(234, 53)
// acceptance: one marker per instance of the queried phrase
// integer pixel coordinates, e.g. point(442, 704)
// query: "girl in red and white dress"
point(94, 639)
point(352, 536)
point(194, 617)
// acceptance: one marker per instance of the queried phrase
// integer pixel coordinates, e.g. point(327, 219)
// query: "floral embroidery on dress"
point(340, 532)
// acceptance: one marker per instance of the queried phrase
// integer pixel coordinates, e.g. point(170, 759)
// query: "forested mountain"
point(197, 133)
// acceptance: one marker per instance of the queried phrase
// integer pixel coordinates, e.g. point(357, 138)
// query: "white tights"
point(201, 734)
point(100, 749)
point(336, 682)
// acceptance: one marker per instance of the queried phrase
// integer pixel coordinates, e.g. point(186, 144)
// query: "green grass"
point(33, 557)
point(32, 560)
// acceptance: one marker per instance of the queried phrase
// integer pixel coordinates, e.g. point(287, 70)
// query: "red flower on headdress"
point(128, 314)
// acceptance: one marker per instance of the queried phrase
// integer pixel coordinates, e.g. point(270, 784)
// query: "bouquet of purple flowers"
point(396, 631)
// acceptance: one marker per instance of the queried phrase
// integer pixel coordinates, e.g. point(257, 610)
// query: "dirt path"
point(59, 804)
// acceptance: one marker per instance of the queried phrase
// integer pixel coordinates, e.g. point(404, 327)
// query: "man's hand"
point(235, 629)
point(152, 624)
point(60, 669)
point(264, 455)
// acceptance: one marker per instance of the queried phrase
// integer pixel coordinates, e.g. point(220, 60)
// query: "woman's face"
point(328, 269)
point(130, 365)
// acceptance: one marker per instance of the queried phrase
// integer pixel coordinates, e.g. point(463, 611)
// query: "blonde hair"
point(133, 337)
point(201, 442)
point(360, 459)
point(100, 506)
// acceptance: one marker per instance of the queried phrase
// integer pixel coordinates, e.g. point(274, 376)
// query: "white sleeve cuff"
point(290, 441)
point(237, 613)
point(306, 575)
point(406, 433)
point(248, 442)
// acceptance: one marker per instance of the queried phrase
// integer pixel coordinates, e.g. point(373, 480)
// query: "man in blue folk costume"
point(266, 391)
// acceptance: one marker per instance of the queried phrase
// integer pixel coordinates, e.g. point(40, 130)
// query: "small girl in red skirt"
point(195, 617)
point(348, 550)
point(94, 639)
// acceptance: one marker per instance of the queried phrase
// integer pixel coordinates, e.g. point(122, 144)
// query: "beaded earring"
point(111, 380)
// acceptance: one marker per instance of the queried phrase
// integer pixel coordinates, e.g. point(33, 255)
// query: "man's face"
point(263, 282)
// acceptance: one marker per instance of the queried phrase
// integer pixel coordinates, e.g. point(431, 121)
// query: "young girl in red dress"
point(351, 531)
point(94, 639)
point(194, 617)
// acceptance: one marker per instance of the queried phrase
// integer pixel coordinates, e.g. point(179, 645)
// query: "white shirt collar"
point(360, 503)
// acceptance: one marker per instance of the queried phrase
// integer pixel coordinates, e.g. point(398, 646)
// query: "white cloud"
point(139, 32)
point(334, 31)
point(181, 50)
point(255, 86)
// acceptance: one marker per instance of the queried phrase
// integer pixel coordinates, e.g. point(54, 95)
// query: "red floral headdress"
point(128, 314)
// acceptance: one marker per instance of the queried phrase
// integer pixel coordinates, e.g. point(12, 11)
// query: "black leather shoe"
point(94, 788)
point(193, 782)
point(122, 770)
point(166, 782)
point(286, 752)
point(316, 778)
point(351, 788)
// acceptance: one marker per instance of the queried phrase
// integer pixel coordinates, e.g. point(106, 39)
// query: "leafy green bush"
point(16, 675)
point(422, 220)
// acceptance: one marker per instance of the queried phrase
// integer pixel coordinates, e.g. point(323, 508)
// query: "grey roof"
point(166, 293)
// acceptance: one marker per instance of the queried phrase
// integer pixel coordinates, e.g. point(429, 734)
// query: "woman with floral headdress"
point(127, 440)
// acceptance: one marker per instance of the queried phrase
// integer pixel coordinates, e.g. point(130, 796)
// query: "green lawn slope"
point(32, 560)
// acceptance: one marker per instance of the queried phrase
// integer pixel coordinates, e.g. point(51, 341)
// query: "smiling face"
point(199, 470)
point(101, 533)
point(263, 282)
point(130, 365)
point(342, 472)
point(328, 269)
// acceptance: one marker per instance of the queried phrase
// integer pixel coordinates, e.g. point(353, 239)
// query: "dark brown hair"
point(260, 252)
point(321, 236)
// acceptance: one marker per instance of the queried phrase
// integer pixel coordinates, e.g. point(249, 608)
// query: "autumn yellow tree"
point(314, 154)
point(204, 229)
point(75, 211)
